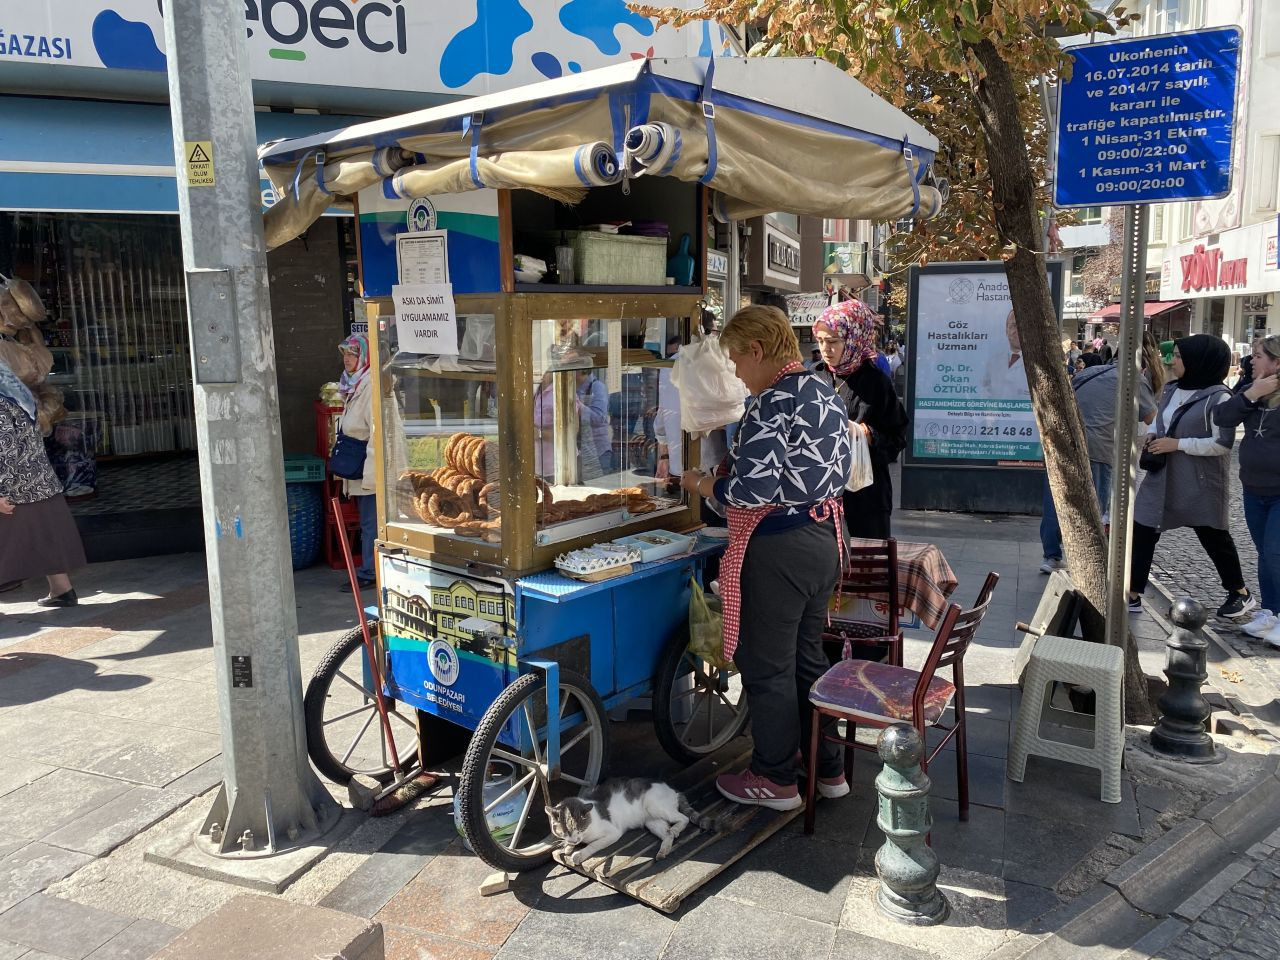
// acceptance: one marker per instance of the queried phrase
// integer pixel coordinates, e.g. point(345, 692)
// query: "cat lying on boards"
point(601, 814)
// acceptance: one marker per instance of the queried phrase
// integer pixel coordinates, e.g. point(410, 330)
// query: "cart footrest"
point(629, 865)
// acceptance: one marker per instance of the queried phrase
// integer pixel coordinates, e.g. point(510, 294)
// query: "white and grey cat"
point(601, 814)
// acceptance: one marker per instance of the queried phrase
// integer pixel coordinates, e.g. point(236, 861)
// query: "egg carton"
point(596, 559)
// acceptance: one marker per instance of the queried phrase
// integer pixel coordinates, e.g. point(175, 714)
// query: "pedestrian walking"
point(1095, 393)
point(38, 537)
point(356, 388)
point(845, 333)
point(1186, 459)
point(1255, 407)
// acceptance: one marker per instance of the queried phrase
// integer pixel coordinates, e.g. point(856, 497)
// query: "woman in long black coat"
point(845, 333)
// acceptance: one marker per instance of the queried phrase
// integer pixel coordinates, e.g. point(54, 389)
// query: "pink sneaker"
point(833, 787)
point(750, 788)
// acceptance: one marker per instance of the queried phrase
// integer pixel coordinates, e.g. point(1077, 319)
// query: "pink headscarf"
point(1097, 343)
point(358, 344)
point(854, 323)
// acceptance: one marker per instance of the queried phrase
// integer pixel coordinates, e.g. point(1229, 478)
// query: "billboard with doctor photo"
point(968, 384)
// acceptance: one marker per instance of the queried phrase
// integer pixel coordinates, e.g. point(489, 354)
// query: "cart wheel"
point(697, 708)
point(344, 734)
point(521, 839)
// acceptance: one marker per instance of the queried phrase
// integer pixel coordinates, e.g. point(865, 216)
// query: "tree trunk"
point(1061, 432)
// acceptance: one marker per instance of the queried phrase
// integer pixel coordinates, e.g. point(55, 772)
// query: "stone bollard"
point(1180, 732)
point(906, 866)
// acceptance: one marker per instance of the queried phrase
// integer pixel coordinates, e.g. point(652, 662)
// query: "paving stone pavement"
point(1243, 923)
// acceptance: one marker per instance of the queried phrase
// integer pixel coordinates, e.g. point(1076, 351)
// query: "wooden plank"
point(630, 867)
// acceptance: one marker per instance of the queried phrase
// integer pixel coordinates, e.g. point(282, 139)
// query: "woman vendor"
point(786, 472)
point(846, 335)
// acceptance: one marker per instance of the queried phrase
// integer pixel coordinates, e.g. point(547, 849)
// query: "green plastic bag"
point(706, 627)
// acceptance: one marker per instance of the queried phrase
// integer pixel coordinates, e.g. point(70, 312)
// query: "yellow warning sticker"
point(199, 155)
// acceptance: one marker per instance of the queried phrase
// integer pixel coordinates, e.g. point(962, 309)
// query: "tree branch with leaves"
point(969, 71)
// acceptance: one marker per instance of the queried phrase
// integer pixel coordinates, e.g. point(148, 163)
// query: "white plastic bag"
point(711, 394)
point(860, 476)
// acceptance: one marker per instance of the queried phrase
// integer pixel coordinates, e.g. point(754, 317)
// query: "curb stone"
point(1168, 862)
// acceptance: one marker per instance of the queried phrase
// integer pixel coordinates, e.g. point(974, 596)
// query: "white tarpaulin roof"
point(767, 134)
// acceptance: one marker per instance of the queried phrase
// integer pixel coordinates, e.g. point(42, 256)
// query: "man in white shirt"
point(1005, 376)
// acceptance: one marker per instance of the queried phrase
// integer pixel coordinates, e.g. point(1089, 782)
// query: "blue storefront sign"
point(1148, 120)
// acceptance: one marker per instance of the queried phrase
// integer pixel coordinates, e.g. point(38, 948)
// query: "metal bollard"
point(1180, 732)
point(906, 866)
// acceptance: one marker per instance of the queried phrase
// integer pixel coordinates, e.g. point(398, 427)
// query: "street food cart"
point(530, 438)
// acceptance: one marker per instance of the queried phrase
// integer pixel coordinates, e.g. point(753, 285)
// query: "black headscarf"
point(1091, 360)
point(1206, 360)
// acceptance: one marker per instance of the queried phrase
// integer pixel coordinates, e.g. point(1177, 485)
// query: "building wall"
point(308, 322)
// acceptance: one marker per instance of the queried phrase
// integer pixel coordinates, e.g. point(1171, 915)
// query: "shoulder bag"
point(347, 458)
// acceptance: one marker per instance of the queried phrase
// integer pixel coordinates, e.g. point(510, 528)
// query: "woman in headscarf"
point(786, 471)
point(38, 537)
point(1190, 490)
point(356, 388)
point(846, 335)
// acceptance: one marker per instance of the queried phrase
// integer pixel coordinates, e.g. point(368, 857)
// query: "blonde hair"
point(767, 325)
point(1269, 345)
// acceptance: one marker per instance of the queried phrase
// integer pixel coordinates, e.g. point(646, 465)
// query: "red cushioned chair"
point(881, 694)
point(869, 571)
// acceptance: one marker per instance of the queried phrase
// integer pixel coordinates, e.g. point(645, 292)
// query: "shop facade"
point(1231, 282)
point(88, 212)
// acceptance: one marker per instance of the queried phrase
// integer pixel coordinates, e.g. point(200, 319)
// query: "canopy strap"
point(911, 178)
point(471, 125)
point(297, 176)
point(709, 116)
point(320, 174)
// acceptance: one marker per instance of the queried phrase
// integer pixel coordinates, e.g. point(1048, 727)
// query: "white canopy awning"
point(767, 134)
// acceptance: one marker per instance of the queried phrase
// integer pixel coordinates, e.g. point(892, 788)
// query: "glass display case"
point(555, 425)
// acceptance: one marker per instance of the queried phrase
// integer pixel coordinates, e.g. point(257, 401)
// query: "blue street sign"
point(1148, 120)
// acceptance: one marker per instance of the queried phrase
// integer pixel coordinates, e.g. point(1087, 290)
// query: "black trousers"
point(1217, 544)
point(787, 581)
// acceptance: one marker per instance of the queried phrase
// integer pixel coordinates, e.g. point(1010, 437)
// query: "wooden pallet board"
point(697, 856)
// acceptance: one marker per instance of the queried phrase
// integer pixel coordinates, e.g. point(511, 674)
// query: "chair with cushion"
point(870, 571)
point(881, 694)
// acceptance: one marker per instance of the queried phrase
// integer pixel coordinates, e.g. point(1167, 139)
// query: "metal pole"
point(1129, 367)
point(270, 799)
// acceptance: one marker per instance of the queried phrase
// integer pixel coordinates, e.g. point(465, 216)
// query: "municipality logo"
point(960, 291)
point(443, 662)
point(421, 215)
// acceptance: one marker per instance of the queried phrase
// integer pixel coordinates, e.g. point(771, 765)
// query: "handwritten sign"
point(426, 318)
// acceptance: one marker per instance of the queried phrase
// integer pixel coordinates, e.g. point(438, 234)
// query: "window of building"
point(1078, 260)
point(1089, 216)
point(1156, 233)
point(1266, 173)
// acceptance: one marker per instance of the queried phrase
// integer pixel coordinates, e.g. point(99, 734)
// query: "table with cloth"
point(925, 581)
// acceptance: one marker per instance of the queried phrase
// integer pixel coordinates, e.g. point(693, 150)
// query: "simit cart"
point(551, 425)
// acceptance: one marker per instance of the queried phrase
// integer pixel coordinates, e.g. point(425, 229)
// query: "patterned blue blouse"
point(791, 450)
point(25, 473)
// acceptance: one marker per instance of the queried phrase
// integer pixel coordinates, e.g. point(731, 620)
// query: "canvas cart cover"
point(766, 134)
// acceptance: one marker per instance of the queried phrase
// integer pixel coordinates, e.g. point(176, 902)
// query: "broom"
point(407, 786)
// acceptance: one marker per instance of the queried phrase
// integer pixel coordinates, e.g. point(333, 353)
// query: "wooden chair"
point(869, 571)
point(881, 694)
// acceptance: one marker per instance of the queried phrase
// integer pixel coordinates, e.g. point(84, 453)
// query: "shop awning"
point(101, 157)
point(1150, 308)
point(767, 134)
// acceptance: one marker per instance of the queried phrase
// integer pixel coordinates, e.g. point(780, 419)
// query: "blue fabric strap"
point(471, 125)
point(709, 116)
point(320, 174)
point(911, 178)
point(297, 176)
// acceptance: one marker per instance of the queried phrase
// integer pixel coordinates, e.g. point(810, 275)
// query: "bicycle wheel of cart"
point(504, 788)
point(344, 733)
point(697, 707)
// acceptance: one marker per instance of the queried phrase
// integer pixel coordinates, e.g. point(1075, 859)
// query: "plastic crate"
point(303, 468)
point(326, 428)
point(617, 259)
point(306, 523)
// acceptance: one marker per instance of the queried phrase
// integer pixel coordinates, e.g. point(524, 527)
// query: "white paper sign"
point(422, 256)
point(426, 318)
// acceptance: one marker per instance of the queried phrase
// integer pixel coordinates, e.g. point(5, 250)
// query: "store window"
point(113, 286)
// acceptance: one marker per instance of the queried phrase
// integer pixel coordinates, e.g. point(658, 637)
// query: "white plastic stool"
point(1094, 665)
